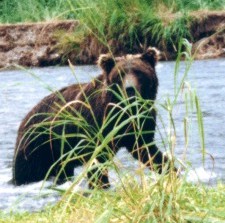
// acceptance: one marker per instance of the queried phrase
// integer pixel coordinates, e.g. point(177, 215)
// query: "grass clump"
point(33, 11)
point(39, 10)
point(130, 24)
point(159, 201)
point(113, 25)
point(140, 197)
point(133, 24)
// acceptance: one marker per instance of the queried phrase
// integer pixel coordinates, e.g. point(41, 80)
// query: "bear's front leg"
point(152, 157)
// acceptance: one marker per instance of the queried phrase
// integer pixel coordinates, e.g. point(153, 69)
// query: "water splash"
point(200, 175)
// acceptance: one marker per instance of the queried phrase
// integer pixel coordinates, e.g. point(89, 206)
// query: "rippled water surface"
point(21, 90)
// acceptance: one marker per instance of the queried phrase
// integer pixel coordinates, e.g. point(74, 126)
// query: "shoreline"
point(43, 44)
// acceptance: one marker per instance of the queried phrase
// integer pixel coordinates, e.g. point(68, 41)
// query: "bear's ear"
point(151, 56)
point(106, 62)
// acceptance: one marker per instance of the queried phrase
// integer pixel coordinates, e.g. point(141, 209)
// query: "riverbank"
point(163, 200)
point(53, 43)
point(32, 44)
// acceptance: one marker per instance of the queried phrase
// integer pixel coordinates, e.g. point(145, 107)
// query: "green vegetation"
point(132, 21)
point(41, 10)
point(159, 201)
point(114, 24)
point(163, 198)
point(32, 11)
point(166, 198)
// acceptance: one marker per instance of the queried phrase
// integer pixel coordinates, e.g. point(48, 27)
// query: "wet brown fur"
point(38, 150)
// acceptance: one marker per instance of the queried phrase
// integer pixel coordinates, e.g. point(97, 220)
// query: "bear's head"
point(132, 73)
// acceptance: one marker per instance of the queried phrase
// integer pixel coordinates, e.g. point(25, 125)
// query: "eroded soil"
point(36, 44)
point(32, 44)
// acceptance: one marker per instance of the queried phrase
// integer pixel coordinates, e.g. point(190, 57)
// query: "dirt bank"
point(208, 32)
point(32, 44)
point(38, 44)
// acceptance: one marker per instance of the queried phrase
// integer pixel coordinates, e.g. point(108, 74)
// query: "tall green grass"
point(156, 203)
point(162, 198)
point(33, 11)
point(29, 10)
point(130, 24)
point(114, 24)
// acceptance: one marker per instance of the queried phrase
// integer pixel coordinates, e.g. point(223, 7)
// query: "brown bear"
point(89, 122)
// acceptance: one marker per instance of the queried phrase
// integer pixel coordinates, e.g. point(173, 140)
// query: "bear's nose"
point(130, 81)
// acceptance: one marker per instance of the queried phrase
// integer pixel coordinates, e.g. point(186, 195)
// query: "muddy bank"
point(40, 44)
point(208, 32)
point(32, 44)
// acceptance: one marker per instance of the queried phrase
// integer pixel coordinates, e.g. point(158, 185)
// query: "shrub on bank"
point(117, 25)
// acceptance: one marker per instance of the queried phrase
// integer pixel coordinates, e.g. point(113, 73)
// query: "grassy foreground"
point(167, 200)
point(164, 198)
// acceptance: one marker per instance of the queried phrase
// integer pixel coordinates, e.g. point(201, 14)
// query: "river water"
point(20, 90)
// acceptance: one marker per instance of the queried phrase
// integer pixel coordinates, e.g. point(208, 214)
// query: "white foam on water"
point(199, 175)
point(29, 197)
point(34, 196)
